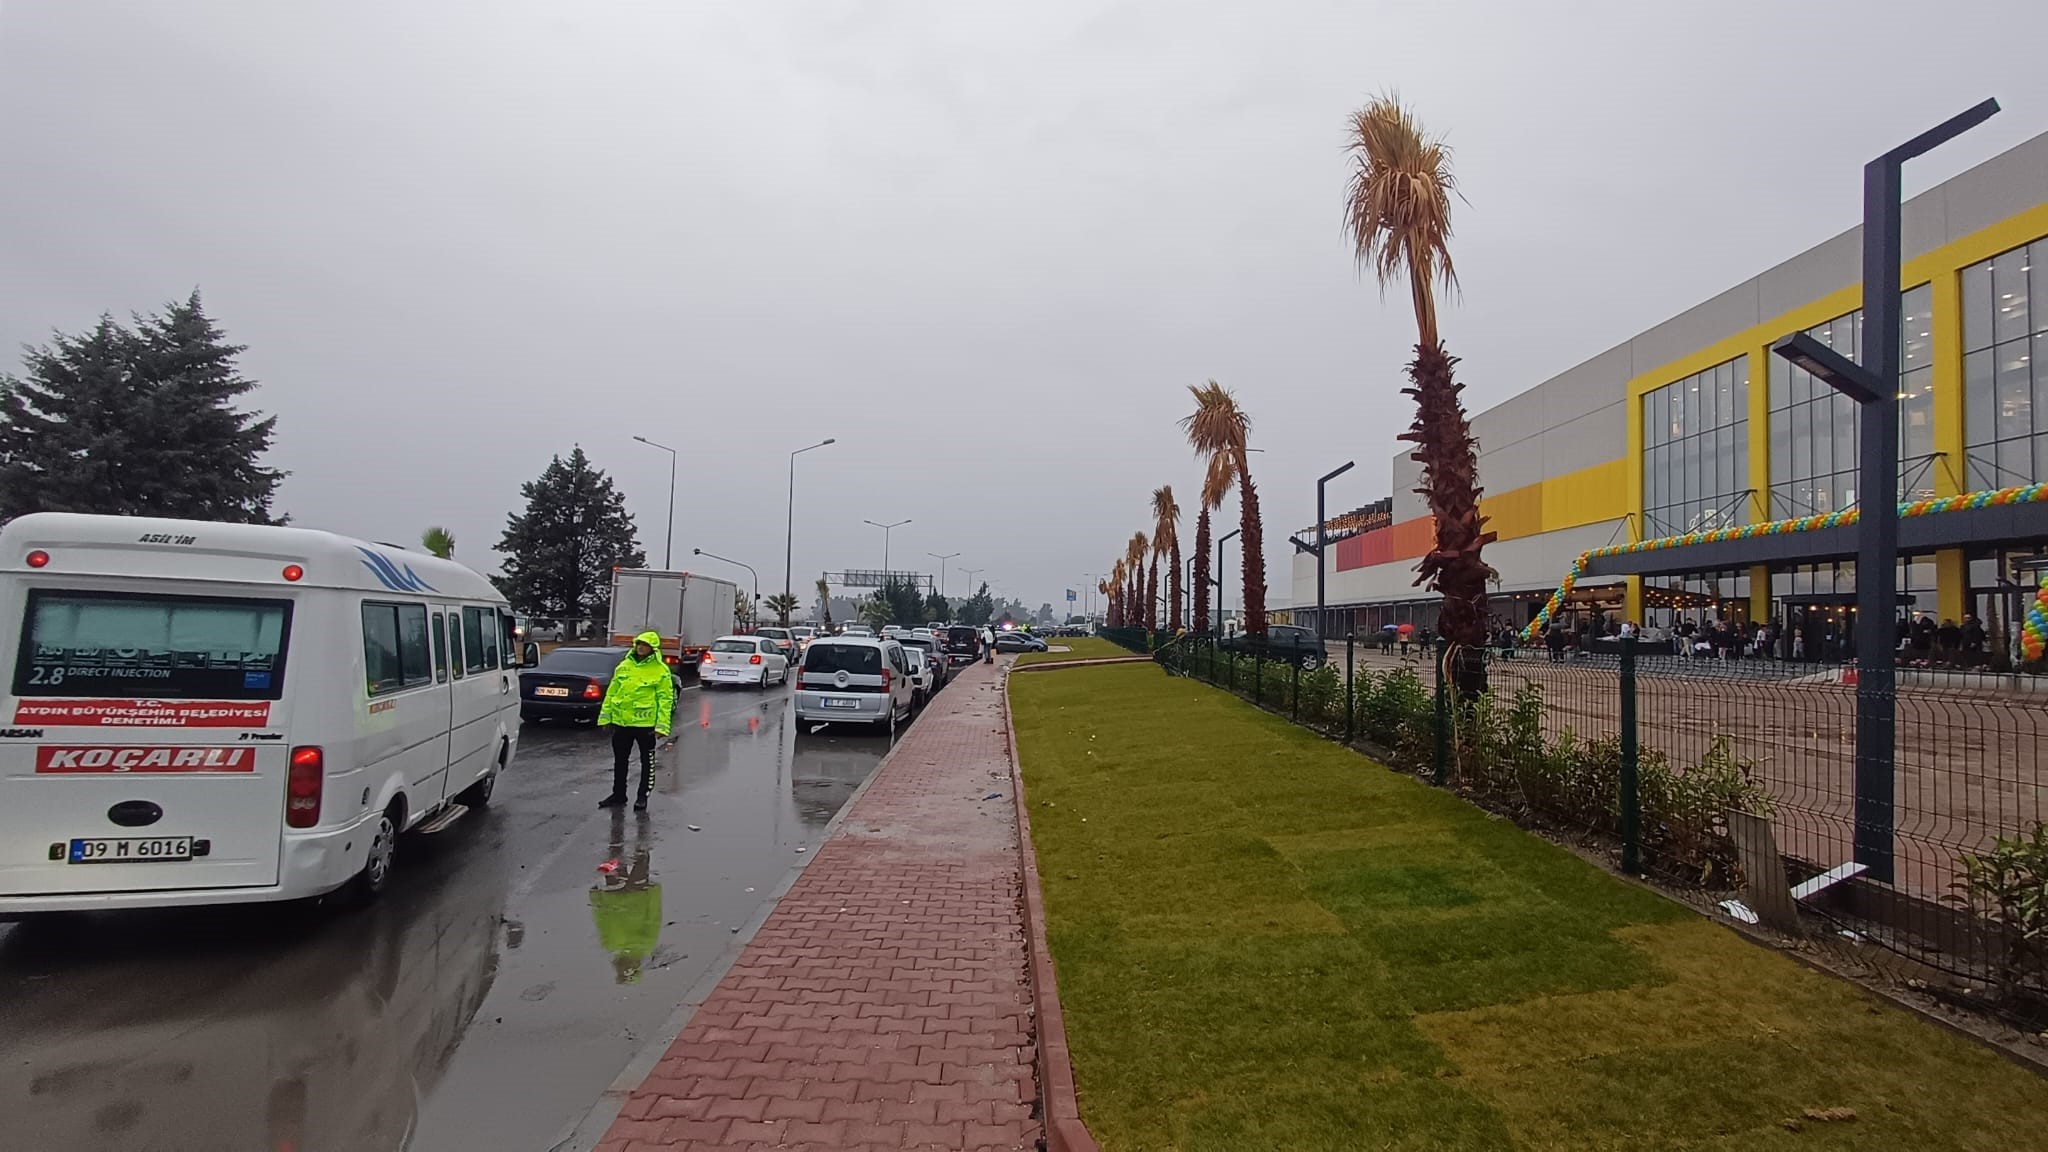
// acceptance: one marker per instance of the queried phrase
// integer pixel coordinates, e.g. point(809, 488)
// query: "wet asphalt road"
point(484, 1003)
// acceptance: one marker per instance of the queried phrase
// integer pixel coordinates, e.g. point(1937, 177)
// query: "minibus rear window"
point(138, 646)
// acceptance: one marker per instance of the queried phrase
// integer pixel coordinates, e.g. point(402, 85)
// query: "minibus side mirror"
point(529, 656)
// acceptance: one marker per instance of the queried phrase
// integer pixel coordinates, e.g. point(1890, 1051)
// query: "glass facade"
point(1814, 429)
point(1696, 451)
point(2005, 382)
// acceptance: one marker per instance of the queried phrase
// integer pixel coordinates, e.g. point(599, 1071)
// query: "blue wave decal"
point(388, 574)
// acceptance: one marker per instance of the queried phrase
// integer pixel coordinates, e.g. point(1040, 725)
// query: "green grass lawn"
point(1266, 941)
point(1079, 648)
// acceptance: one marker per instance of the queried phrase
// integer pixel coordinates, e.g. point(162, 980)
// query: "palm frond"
point(1217, 483)
point(1397, 208)
point(1217, 423)
point(1166, 520)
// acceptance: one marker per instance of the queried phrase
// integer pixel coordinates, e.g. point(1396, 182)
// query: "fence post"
point(1631, 798)
point(1350, 671)
point(1294, 692)
point(1443, 717)
point(1258, 677)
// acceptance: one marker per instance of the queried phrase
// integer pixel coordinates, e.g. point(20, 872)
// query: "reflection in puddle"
point(626, 902)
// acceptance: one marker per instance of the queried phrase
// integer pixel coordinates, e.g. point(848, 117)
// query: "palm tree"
point(1398, 216)
point(1215, 486)
point(1219, 427)
point(782, 604)
point(1137, 612)
point(1166, 541)
point(439, 541)
point(1115, 591)
point(825, 604)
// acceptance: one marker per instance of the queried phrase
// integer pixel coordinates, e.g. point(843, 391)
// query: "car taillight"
point(302, 787)
point(754, 659)
point(885, 679)
point(707, 658)
point(593, 691)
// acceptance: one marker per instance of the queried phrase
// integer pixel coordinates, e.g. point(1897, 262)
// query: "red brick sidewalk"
point(885, 1003)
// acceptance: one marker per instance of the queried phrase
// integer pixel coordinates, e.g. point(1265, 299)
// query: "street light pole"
point(1219, 576)
point(669, 537)
point(789, 529)
point(886, 529)
point(1323, 544)
point(1874, 385)
point(743, 564)
point(942, 569)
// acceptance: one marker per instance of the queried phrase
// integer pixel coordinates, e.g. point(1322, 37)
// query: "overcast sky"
point(986, 247)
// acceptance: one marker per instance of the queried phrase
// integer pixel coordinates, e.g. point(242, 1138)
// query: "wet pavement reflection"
point(519, 961)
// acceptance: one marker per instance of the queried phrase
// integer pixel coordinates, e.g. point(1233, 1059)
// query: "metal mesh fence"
point(1731, 781)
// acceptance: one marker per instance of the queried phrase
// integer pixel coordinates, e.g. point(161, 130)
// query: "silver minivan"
point(854, 680)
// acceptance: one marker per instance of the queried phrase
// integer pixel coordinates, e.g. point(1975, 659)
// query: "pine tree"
point(559, 553)
point(136, 422)
point(979, 608)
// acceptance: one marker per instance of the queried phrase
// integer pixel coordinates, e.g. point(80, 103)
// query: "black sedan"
point(569, 684)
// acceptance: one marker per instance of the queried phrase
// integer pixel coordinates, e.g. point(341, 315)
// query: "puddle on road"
point(480, 1005)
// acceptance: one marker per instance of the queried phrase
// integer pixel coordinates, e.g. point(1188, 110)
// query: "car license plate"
point(142, 850)
point(840, 702)
point(550, 691)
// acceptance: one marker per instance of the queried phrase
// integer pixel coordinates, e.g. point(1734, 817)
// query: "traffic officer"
point(639, 708)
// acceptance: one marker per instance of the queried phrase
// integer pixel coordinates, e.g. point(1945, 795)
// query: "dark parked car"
point(963, 644)
point(1018, 642)
point(1290, 643)
point(569, 684)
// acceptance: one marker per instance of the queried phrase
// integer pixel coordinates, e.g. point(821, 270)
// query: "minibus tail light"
point(302, 787)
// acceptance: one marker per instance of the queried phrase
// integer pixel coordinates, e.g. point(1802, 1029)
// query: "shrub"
point(2008, 886)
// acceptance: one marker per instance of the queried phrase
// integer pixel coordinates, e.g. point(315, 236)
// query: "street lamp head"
point(1829, 367)
point(828, 440)
point(696, 551)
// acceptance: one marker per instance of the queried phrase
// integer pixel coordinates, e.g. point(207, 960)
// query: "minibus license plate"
point(141, 850)
point(840, 702)
point(550, 691)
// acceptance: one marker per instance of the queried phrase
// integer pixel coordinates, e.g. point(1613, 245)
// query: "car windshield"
point(853, 659)
point(773, 633)
point(735, 646)
point(580, 661)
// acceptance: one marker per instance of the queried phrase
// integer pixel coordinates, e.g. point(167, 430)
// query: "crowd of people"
point(1920, 640)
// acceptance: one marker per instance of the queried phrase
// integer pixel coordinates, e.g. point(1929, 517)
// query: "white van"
point(226, 713)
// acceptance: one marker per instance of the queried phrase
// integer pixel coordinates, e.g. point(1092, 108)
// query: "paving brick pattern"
point(885, 1003)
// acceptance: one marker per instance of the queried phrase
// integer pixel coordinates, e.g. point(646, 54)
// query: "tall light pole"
point(1088, 593)
point(886, 529)
point(789, 530)
point(669, 537)
point(1874, 386)
point(942, 569)
point(1219, 576)
point(1321, 547)
point(741, 563)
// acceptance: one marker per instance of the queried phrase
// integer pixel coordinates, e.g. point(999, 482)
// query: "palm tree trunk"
point(1252, 539)
point(1152, 596)
point(1173, 586)
point(1450, 483)
point(1201, 589)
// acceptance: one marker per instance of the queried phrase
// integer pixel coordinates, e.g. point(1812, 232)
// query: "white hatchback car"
point(746, 661)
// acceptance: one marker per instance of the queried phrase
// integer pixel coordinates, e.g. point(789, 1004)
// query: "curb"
point(1060, 1110)
point(588, 1129)
point(1049, 665)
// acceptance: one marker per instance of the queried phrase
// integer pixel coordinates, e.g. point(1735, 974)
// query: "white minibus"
point(205, 713)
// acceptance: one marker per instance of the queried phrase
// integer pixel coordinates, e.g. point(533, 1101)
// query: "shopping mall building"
point(1693, 425)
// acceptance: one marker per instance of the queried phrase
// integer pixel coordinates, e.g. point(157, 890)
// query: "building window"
point(1696, 451)
point(2005, 385)
point(1815, 430)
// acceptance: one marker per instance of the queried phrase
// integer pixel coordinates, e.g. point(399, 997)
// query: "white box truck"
point(686, 609)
